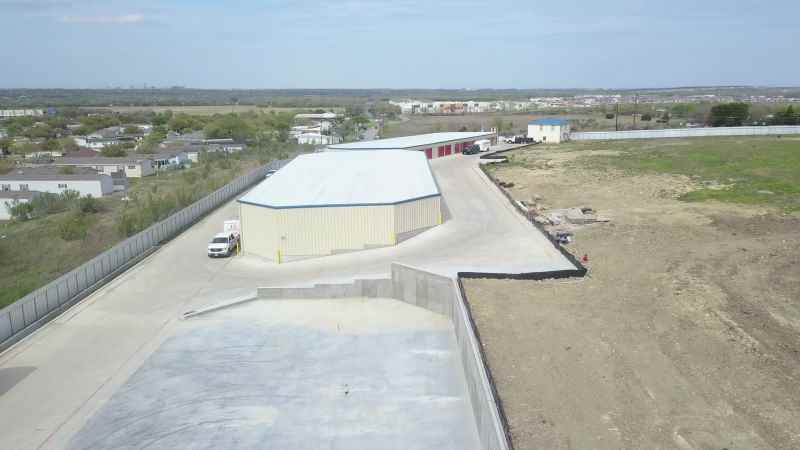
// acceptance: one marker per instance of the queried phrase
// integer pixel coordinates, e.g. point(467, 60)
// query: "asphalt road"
point(54, 380)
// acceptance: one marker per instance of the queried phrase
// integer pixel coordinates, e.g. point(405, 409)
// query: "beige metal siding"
point(300, 232)
point(418, 214)
point(305, 232)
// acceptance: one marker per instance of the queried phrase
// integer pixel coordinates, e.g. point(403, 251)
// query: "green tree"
point(67, 144)
point(183, 123)
point(228, 126)
point(647, 117)
point(132, 129)
point(5, 145)
point(729, 115)
point(115, 150)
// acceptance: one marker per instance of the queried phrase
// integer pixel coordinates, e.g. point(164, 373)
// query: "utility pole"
point(635, 108)
point(616, 117)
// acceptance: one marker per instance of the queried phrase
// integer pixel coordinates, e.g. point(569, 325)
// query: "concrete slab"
point(299, 374)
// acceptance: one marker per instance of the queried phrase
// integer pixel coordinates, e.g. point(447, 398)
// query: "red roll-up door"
point(458, 147)
point(448, 149)
point(429, 153)
point(440, 151)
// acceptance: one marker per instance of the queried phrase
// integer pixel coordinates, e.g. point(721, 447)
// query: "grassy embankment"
point(747, 170)
point(34, 252)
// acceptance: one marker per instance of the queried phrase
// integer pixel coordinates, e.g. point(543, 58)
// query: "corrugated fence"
point(684, 132)
point(37, 308)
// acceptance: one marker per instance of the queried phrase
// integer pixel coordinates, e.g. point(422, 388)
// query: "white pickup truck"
point(225, 243)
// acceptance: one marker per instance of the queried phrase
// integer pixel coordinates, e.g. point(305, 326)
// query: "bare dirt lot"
point(685, 334)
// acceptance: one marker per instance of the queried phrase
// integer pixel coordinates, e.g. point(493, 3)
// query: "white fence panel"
point(777, 130)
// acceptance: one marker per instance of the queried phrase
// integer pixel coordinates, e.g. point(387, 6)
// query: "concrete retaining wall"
point(435, 293)
point(443, 295)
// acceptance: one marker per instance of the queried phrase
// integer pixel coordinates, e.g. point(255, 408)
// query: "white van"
point(484, 144)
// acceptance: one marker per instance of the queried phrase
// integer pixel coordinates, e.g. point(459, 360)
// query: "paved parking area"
point(56, 379)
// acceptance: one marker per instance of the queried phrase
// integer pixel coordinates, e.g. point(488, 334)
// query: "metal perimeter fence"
point(33, 310)
point(777, 130)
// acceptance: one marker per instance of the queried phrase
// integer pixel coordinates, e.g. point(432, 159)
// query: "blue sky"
point(398, 44)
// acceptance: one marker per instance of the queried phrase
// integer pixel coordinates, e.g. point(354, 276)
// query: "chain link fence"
point(33, 310)
point(684, 132)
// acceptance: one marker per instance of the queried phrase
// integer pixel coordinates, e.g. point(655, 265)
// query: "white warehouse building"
point(332, 202)
point(549, 130)
point(434, 145)
point(44, 180)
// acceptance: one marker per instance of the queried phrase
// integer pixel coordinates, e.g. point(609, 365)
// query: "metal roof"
point(97, 161)
point(419, 140)
point(549, 121)
point(48, 174)
point(331, 179)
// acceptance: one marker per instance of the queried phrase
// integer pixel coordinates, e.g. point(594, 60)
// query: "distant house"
point(9, 199)
point(194, 144)
point(87, 182)
point(97, 142)
point(549, 130)
point(132, 167)
point(44, 155)
point(317, 139)
point(166, 160)
point(317, 116)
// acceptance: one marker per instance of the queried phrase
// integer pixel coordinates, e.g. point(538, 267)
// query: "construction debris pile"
point(561, 223)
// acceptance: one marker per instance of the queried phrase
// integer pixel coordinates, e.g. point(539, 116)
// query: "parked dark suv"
point(473, 149)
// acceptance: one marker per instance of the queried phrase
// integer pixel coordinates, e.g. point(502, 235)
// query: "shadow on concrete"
point(10, 376)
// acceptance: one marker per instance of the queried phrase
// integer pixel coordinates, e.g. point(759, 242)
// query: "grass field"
point(33, 253)
point(762, 171)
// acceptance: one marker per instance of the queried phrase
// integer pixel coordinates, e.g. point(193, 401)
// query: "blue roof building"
point(552, 121)
point(550, 130)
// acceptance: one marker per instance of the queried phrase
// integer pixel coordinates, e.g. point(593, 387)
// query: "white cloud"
point(117, 19)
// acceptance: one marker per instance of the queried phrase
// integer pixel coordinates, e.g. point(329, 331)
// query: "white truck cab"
point(225, 243)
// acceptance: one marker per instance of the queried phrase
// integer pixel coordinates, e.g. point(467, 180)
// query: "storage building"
point(330, 202)
point(434, 145)
point(549, 130)
point(54, 182)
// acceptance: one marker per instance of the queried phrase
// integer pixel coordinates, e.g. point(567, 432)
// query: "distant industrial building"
point(434, 145)
point(52, 181)
point(549, 130)
point(330, 202)
point(9, 113)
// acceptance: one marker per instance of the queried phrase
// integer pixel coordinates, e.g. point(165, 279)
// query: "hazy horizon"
point(354, 44)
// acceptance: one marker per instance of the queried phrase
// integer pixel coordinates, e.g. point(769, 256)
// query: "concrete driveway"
point(57, 378)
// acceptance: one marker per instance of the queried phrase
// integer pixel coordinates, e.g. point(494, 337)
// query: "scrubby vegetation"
point(55, 233)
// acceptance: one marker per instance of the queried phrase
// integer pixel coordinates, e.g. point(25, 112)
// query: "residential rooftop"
point(552, 121)
point(49, 174)
point(98, 160)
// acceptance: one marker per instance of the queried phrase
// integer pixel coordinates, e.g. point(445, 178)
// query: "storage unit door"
point(429, 153)
point(440, 151)
point(448, 149)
